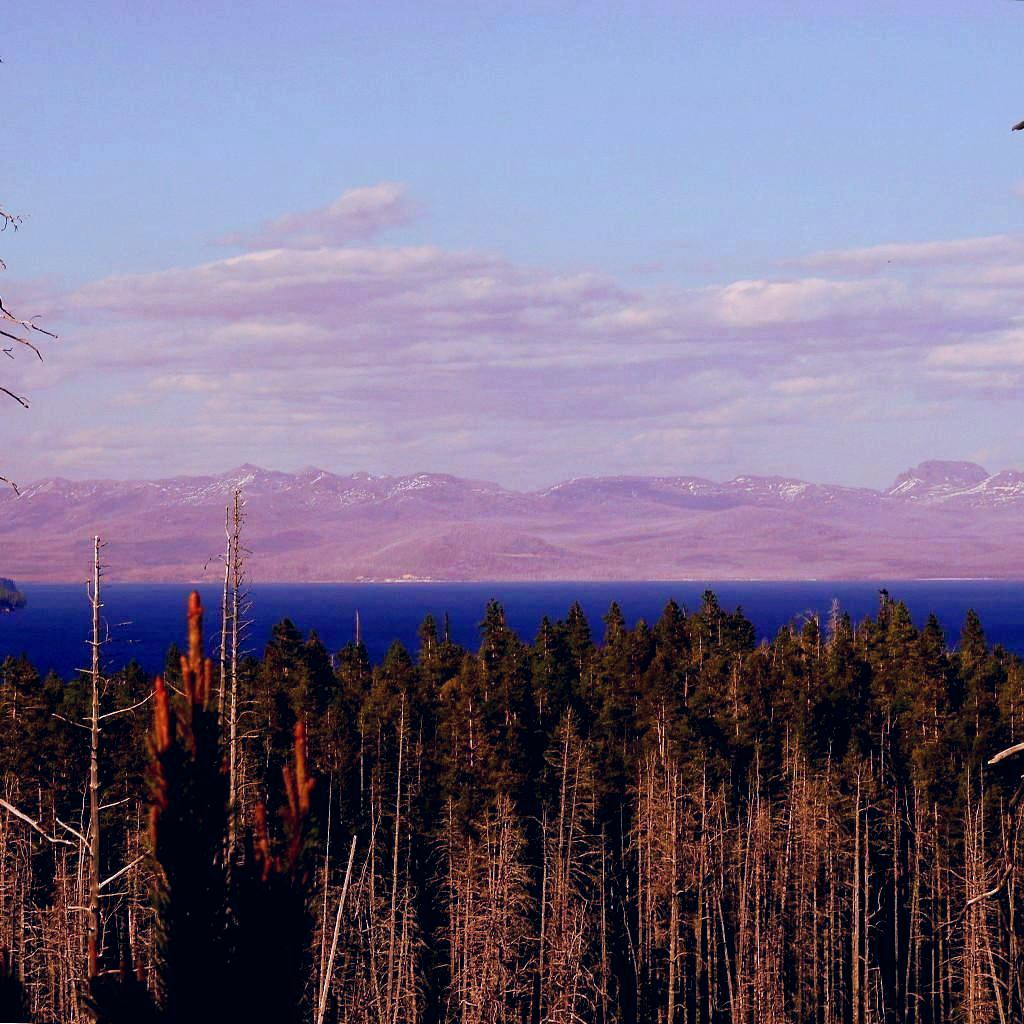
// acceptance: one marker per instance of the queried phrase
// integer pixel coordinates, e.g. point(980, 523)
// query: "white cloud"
point(875, 258)
point(405, 357)
point(356, 215)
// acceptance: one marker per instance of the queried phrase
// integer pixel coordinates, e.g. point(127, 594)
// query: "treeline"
point(669, 823)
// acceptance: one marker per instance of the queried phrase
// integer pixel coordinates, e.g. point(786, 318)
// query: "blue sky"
point(666, 150)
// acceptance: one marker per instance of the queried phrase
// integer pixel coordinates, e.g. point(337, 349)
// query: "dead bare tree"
point(93, 833)
point(1011, 830)
point(328, 970)
point(17, 332)
point(93, 927)
point(569, 983)
point(225, 617)
point(980, 985)
point(381, 985)
point(236, 556)
point(89, 835)
point(488, 902)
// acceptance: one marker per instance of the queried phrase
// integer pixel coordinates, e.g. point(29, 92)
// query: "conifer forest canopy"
point(658, 823)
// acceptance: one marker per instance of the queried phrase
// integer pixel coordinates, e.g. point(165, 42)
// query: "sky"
point(519, 242)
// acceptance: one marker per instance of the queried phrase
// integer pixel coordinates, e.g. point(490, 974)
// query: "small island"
point(10, 597)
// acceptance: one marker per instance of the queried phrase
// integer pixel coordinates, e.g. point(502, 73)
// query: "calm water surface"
point(145, 618)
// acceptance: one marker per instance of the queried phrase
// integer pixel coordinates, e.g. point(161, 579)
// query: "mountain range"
point(937, 520)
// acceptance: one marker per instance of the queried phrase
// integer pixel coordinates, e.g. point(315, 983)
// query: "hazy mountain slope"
point(938, 519)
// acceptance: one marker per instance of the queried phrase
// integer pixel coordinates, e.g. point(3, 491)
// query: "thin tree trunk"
point(856, 1004)
point(93, 923)
point(221, 695)
point(237, 573)
point(393, 991)
point(325, 981)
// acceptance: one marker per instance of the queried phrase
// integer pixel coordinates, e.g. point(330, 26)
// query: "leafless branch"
point(22, 341)
point(29, 325)
point(123, 871)
point(122, 711)
point(23, 402)
point(77, 725)
point(9, 220)
point(115, 803)
point(1017, 748)
point(21, 816)
point(13, 221)
point(74, 831)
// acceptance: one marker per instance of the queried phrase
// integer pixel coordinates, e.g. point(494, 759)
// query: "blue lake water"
point(144, 619)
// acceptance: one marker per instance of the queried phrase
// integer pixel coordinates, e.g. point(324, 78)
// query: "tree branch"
point(23, 402)
point(1017, 748)
point(21, 816)
point(123, 871)
point(122, 711)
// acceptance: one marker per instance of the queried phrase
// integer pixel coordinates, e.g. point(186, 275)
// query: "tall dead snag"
point(758, 973)
point(93, 846)
point(991, 961)
point(15, 332)
point(811, 893)
point(857, 913)
point(236, 559)
point(569, 990)
point(42, 939)
point(487, 896)
point(1012, 846)
point(666, 849)
point(225, 617)
point(72, 933)
point(382, 984)
point(93, 926)
point(327, 969)
point(982, 990)
point(1012, 816)
point(393, 979)
point(654, 850)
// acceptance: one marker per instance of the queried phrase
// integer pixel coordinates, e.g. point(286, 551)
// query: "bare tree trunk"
point(325, 981)
point(856, 999)
point(393, 990)
point(674, 795)
point(221, 694)
point(93, 921)
point(237, 580)
point(327, 880)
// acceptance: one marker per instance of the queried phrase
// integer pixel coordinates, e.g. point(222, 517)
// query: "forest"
point(662, 822)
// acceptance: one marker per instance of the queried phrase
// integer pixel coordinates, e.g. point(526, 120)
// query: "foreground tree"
point(233, 935)
point(17, 334)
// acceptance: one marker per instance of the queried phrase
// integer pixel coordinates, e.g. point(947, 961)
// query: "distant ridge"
point(938, 519)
